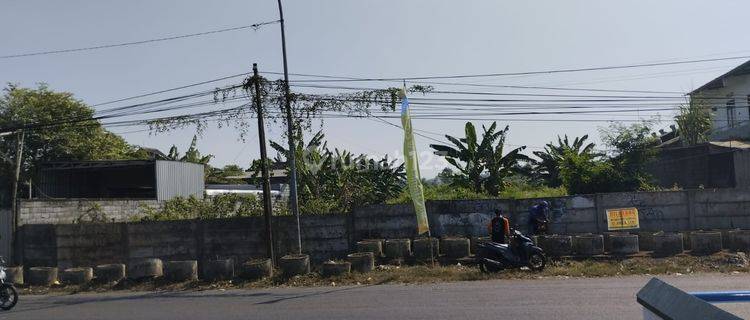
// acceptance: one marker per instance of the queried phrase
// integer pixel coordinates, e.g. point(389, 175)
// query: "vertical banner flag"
point(413, 179)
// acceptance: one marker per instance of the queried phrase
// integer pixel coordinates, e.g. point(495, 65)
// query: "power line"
point(172, 89)
point(550, 71)
point(123, 44)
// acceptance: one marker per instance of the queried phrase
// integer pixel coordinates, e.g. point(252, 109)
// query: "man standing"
point(499, 227)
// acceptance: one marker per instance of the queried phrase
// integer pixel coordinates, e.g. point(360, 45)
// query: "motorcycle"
point(8, 294)
point(493, 256)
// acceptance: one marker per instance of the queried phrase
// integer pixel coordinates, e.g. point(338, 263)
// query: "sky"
point(365, 39)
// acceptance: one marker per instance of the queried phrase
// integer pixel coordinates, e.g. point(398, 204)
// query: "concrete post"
point(690, 194)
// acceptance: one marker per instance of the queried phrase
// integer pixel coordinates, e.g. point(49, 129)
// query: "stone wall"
point(69, 210)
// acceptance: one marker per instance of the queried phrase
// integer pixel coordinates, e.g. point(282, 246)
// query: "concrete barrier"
point(181, 270)
point(77, 276)
point(588, 244)
point(42, 276)
point(335, 268)
point(371, 245)
point(645, 240)
point(455, 248)
point(222, 269)
point(397, 249)
point(705, 242)
point(361, 261)
point(294, 264)
point(475, 240)
point(14, 275)
point(108, 273)
point(256, 269)
point(726, 238)
point(740, 240)
point(556, 245)
point(422, 246)
point(146, 268)
point(667, 244)
point(623, 244)
point(608, 239)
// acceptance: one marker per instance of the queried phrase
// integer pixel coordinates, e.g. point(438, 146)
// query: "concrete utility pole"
point(263, 165)
point(292, 158)
point(14, 192)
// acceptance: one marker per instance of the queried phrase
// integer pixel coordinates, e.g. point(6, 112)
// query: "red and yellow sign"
point(623, 218)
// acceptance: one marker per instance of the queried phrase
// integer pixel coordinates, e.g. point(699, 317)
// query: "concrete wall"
point(68, 210)
point(333, 235)
point(68, 245)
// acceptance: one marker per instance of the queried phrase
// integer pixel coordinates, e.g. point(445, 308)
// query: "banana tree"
point(499, 165)
point(465, 155)
point(548, 167)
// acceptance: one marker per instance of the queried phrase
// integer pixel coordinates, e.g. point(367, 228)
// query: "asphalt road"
point(601, 298)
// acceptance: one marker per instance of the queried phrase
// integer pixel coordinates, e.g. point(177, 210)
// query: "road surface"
point(600, 298)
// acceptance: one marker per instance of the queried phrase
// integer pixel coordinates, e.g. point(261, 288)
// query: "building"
point(729, 99)
point(120, 179)
point(715, 164)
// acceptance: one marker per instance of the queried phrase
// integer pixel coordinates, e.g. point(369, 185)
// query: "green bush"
point(216, 207)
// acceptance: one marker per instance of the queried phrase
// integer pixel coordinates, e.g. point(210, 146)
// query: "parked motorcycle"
point(493, 256)
point(8, 294)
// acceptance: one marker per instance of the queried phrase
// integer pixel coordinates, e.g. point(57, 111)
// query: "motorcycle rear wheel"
point(8, 297)
point(489, 268)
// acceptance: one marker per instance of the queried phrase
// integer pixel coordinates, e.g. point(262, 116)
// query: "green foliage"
point(216, 207)
point(515, 187)
point(221, 175)
point(582, 173)
point(337, 180)
point(694, 122)
point(633, 148)
point(548, 166)
point(85, 140)
point(481, 164)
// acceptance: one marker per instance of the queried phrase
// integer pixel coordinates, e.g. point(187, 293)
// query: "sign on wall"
point(622, 218)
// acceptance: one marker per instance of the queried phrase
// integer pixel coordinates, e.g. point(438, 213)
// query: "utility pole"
point(292, 157)
point(263, 165)
point(14, 192)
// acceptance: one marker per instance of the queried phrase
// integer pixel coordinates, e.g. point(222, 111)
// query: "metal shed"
point(121, 179)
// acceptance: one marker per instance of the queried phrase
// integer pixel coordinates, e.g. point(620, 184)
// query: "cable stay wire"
point(140, 42)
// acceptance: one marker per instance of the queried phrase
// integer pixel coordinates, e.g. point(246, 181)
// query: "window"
point(730, 114)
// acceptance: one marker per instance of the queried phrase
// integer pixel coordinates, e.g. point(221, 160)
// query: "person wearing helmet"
point(499, 228)
point(538, 217)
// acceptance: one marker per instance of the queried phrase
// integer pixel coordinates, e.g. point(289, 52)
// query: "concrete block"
point(740, 240)
point(623, 244)
point(705, 242)
point(588, 244)
point(76, 276)
point(556, 245)
point(667, 244)
point(108, 273)
point(295, 264)
point(145, 268)
point(421, 248)
point(361, 261)
point(222, 269)
point(397, 248)
point(42, 276)
point(455, 248)
point(14, 275)
point(256, 269)
point(186, 270)
point(335, 268)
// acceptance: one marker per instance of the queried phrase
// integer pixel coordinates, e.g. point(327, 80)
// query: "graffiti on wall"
point(645, 211)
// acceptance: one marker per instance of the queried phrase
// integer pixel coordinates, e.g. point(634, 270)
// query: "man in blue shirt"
point(538, 217)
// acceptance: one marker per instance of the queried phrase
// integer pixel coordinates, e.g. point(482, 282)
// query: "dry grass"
point(681, 264)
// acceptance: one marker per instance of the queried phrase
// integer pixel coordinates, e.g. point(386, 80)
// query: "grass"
point(681, 264)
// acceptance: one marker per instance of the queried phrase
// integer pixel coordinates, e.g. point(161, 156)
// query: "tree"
point(465, 155)
point(191, 155)
point(548, 166)
point(83, 140)
point(482, 164)
point(337, 180)
point(694, 122)
point(499, 166)
point(632, 148)
point(583, 173)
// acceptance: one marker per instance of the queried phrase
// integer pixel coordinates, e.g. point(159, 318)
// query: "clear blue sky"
point(369, 39)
